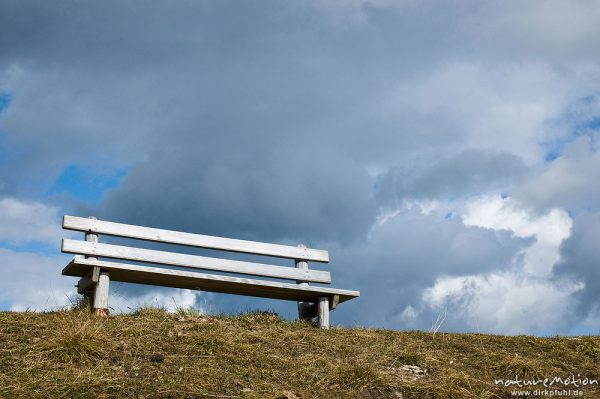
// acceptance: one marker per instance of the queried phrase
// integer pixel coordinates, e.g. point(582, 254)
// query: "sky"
point(444, 153)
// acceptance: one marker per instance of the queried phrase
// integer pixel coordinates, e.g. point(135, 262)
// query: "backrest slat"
point(193, 240)
point(192, 261)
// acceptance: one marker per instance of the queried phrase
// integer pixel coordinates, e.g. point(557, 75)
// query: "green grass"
point(154, 354)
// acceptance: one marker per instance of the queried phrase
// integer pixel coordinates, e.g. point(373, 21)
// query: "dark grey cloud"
point(275, 192)
point(580, 261)
point(115, 84)
point(471, 172)
point(111, 82)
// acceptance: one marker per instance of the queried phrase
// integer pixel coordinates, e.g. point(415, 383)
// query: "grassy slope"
point(72, 354)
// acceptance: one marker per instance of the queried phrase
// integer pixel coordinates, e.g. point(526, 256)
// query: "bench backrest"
point(300, 254)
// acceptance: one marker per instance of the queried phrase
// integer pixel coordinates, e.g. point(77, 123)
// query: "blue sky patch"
point(4, 155)
point(5, 100)
point(86, 184)
point(594, 124)
point(36, 247)
point(553, 154)
point(587, 127)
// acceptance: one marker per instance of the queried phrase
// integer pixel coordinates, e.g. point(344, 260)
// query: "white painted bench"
point(95, 272)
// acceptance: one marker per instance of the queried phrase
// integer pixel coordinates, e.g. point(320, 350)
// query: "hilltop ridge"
point(154, 354)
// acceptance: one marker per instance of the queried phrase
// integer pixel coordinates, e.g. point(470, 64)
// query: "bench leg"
point(101, 295)
point(324, 312)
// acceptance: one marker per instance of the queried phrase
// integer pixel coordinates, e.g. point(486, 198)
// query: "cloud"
point(28, 221)
point(405, 254)
point(123, 299)
point(568, 181)
point(469, 173)
point(528, 297)
point(549, 229)
point(580, 256)
point(488, 267)
point(364, 91)
point(316, 122)
point(504, 303)
point(34, 281)
point(267, 193)
point(30, 235)
point(560, 31)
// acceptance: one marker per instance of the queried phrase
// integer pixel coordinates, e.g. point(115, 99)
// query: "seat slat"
point(193, 261)
point(193, 240)
point(207, 282)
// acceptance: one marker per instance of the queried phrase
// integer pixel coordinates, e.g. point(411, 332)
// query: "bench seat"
point(149, 275)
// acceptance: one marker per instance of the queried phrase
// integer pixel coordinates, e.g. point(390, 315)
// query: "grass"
point(154, 354)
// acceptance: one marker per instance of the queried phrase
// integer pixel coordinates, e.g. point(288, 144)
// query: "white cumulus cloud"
point(33, 281)
point(548, 229)
point(523, 298)
point(28, 221)
point(506, 303)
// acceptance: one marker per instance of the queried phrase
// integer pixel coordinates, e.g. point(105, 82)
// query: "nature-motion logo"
point(579, 381)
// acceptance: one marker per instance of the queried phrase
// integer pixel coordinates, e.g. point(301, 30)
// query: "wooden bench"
point(95, 272)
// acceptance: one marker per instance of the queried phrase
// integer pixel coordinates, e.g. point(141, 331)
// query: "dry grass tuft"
point(74, 343)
